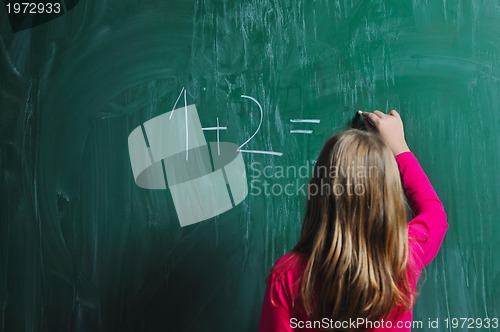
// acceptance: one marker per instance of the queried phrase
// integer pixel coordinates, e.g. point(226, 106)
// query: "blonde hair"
point(356, 241)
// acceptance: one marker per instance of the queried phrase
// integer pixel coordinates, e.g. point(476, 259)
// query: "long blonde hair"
point(355, 232)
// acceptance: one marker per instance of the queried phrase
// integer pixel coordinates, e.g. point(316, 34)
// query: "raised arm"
point(429, 225)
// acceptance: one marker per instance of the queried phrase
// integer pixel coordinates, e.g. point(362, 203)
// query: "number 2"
point(255, 133)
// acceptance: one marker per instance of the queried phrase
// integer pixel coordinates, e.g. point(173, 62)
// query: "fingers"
point(389, 127)
point(369, 125)
point(394, 113)
point(372, 118)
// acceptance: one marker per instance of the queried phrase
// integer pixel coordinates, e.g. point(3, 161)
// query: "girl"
point(357, 262)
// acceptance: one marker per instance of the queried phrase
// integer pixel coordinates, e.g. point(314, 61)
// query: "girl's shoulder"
point(291, 264)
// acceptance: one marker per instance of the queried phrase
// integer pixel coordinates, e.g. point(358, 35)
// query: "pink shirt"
point(425, 232)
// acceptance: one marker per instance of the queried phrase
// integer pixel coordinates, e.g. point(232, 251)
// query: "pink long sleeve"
point(275, 315)
point(428, 227)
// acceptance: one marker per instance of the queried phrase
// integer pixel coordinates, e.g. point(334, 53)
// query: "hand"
point(389, 127)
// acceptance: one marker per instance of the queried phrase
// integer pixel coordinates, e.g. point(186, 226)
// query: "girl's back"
point(357, 262)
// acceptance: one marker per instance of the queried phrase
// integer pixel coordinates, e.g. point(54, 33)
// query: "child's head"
point(354, 231)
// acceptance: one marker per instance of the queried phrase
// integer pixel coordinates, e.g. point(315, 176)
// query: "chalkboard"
point(87, 243)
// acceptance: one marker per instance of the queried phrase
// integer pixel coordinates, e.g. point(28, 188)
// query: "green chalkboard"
point(87, 243)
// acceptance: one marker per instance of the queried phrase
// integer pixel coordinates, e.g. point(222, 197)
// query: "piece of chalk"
point(360, 112)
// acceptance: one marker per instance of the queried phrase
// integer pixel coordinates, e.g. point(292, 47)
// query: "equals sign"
point(302, 131)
